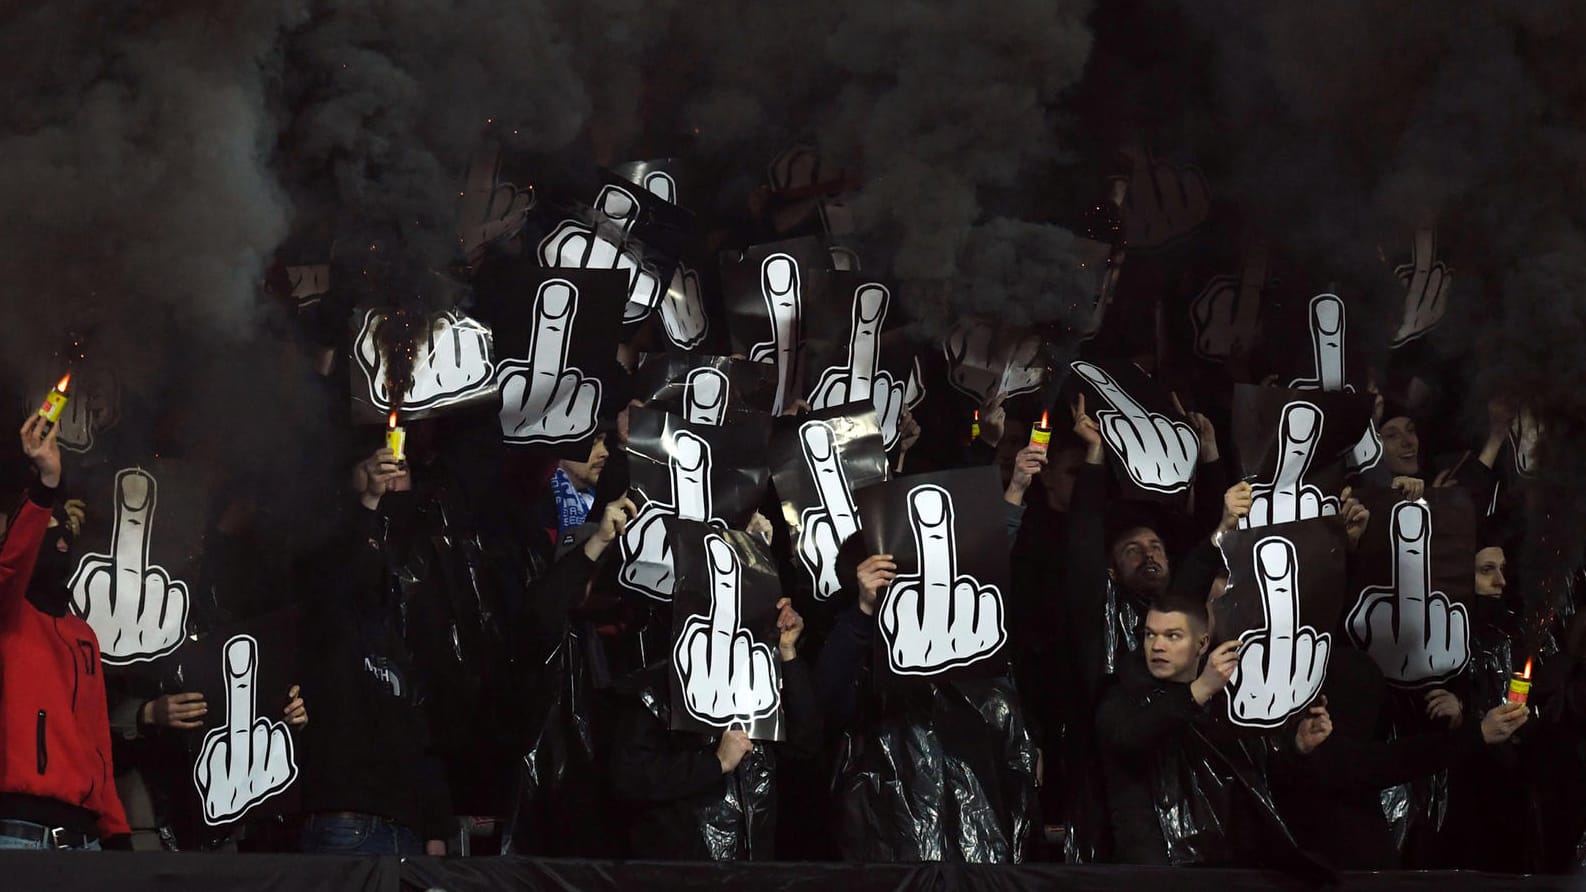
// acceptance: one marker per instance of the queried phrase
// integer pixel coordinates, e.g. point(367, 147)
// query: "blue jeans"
point(361, 835)
point(14, 843)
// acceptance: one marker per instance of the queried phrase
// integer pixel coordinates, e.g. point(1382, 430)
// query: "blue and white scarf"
point(572, 506)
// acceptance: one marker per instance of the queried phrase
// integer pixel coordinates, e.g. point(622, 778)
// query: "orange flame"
point(1045, 424)
point(64, 381)
point(977, 414)
point(392, 421)
point(1527, 675)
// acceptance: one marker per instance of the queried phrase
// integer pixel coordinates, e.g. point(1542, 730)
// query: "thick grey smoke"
point(1339, 127)
point(388, 102)
point(134, 153)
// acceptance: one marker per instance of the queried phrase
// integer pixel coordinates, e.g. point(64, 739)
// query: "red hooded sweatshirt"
point(54, 727)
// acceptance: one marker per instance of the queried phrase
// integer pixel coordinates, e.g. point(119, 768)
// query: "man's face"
point(1401, 448)
point(1173, 645)
point(1139, 562)
point(586, 474)
point(1490, 566)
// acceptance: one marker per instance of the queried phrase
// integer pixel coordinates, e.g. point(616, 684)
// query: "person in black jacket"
point(1334, 807)
point(1108, 581)
point(698, 797)
point(371, 783)
point(1154, 730)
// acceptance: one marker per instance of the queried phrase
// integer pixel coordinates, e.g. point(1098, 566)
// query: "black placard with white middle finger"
point(556, 341)
point(452, 365)
point(986, 359)
point(1155, 449)
point(707, 389)
point(1412, 574)
point(768, 290)
point(1291, 446)
point(856, 349)
point(1312, 342)
point(710, 473)
point(1285, 590)
point(135, 561)
point(726, 672)
point(600, 236)
point(661, 221)
point(818, 462)
point(244, 759)
point(947, 610)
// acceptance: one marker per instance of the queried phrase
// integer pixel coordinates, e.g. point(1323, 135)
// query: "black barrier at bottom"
point(137, 872)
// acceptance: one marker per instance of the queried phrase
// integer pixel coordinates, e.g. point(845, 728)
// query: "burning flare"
point(391, 422)
point(1045, 424)
point(1527, 673)
point(66, 379)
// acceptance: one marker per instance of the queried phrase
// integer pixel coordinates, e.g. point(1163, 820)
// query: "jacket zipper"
point(43, 751)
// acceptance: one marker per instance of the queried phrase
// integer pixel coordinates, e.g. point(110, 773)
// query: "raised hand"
point(43, 449)
point(1281, 665)
point(453, 362)
point(1327, 346)
point(250, 759)
point(543, 399)
point(1501, 721)
point(1227, 312)
point(1426, 281)
point(827, 527)
point(1165, 201)
point(489, 210)
point(861, 379)
point(935, 619)
point(578, 245)
point(1415, 635)
point(683, 310)
point(1287, 497)
point(780, 286)
point(875, 573)
point(727, 677)
point(1157, 452)
point(137, 611)
point(706, 390)
point(646, 551)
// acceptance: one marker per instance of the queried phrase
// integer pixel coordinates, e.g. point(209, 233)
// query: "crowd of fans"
point(467, 683)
